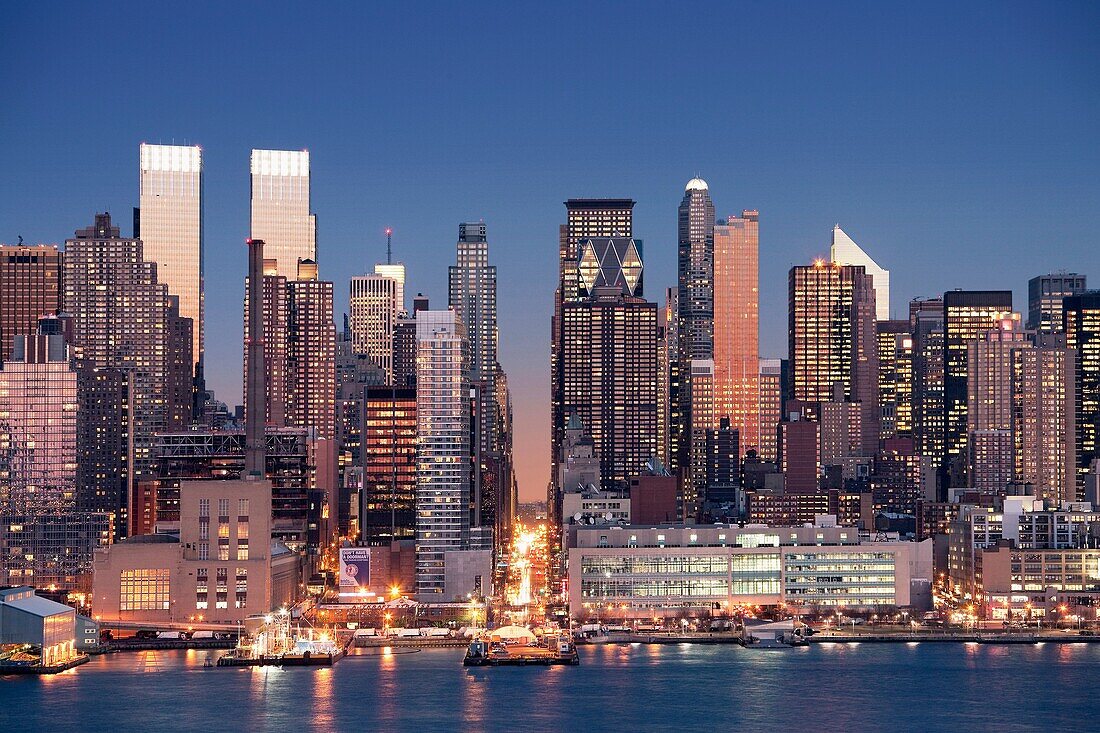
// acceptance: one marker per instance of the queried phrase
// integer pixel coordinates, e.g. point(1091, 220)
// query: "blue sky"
point(956, 142)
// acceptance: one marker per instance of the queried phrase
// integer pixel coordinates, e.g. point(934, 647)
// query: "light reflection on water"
point(616, 687)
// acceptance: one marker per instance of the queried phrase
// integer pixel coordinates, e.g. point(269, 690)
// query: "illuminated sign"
point(354, 569)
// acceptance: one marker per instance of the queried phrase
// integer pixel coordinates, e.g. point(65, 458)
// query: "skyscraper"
point(736, 337)
point(120, 321)
point(374, 308)
point(31, 285)
point(895, 381)
point(845, 251)
point(443, 445)
point(695, 271)
point(280, 208)
point(170, 226)
point(968, 316)
point(1081, 323)
point(395, 271)
point(771, 408)
point(586, 218)
point(609, 370)
point(833, 341)
point(926, 325)
point(1044, 421)
point(1044, 299)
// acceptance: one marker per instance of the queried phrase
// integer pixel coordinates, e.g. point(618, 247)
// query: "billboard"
point(354, 569)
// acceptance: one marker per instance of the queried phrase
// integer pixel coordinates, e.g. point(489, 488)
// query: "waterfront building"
point(1081, 323)
point(833, 339)
point(51, 550)
point(119, 316)
point(609, 378)
point(844, 251)
point(968, 316)
point(47, 627)
point(736, 335)
point(1044, 299)
point(387, 498)
point(169, 223)
point(222, 566)
point(373, 309)
point(280, 208)
point(443, 496)
point(642, 572)
point(31, 286)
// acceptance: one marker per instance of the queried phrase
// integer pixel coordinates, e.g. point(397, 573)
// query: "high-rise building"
point(105, 445)
point(585, 219)
point(895, 380)
point(181, 370)
point(31, 286)
point(990, 367)
point(299, 340)
point(1044, 421)
point(845, 251)
point(609, 371)
point(703, 423)
point(396, 271)
point(695, 271)
point(799, 456)
point(280, 208)
point(120, 321)
point(169, 223)
point(38, 424)
point(736, 335)
point(671, 401)
point(1081, 323)
point(967, 316)
point(388, 496)
point(443, 445)
point(1044, 299)
point(926, 325)
point(374, 310)
point(771, 409)
point(833, 339)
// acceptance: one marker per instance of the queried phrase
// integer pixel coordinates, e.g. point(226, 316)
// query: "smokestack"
point(255, 416)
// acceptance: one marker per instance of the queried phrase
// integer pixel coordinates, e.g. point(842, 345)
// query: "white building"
point(845, 251)
point(31, 625)
point(280, 208)
point(374, 307)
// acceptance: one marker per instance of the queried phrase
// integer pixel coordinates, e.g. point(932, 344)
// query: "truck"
point(436, 632)
point(365, 633)
point(172, 635)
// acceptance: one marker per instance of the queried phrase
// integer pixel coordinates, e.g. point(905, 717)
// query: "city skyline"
point(921, 176)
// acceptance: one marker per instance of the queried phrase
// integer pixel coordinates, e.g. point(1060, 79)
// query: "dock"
point(7, 669)
point(956, 638)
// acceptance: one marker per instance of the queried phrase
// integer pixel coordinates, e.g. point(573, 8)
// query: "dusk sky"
point(958, 144)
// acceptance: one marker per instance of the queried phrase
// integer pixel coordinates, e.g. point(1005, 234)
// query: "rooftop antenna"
point(389, 245)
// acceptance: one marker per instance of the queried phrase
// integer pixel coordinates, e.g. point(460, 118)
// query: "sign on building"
point(354, 569)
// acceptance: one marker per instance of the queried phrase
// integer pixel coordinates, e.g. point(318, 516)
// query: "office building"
point(609, 370)
point(771, 408)
point(736, 320)
point(845, 251)
point(833, 340)
point(280, 208)
point(895, 378)
point(1081, 322)
point(374, 308)
point(396, 272)
point(1044, 299)
point(388, 494)
point(31, 286)
point(169, 223)
point(642, 572)
point(443, 494)
point(585, 219)
point(926, 325)
point(968, 316)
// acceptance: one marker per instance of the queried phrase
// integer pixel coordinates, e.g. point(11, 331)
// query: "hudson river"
point(866, 687)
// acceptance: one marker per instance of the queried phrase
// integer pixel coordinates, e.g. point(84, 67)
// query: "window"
point(144, 590)
point(204, 550)
point(204, 507)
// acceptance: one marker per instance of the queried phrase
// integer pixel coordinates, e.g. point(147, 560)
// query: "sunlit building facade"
point(373, 313)
point(736, 336)
point(170, 225)
point(844, 251)
point(280, 208)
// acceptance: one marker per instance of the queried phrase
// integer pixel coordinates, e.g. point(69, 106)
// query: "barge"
point(488, 653)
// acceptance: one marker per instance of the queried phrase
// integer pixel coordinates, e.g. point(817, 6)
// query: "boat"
point(487, 651)
point(778, 635)
point(272, 642)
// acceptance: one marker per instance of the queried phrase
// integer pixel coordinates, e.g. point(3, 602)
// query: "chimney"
point(255, 414)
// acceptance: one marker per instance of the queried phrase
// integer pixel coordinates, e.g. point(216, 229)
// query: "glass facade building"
point(280, 208)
